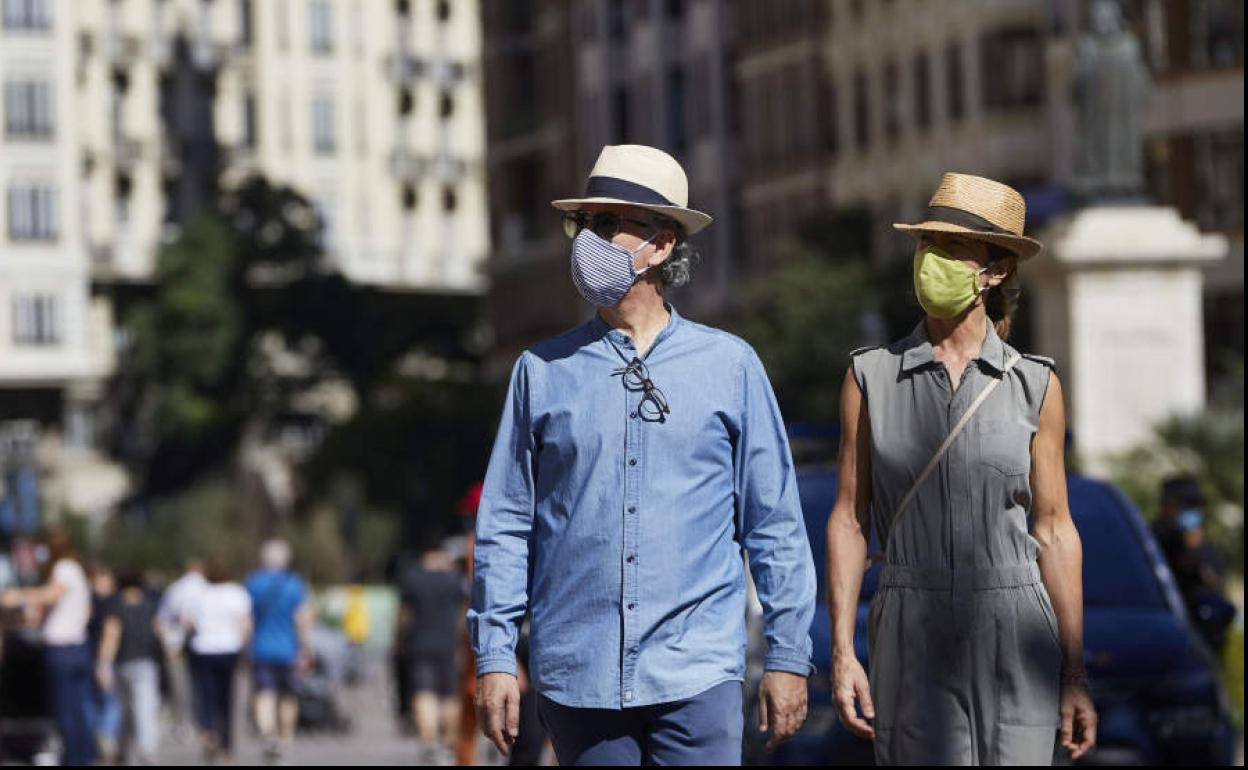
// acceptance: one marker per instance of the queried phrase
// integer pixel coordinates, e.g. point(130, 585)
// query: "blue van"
point(1154, 682)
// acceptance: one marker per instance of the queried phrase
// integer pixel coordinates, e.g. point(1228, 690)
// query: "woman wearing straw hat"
point(638, 455)
point(952, 438)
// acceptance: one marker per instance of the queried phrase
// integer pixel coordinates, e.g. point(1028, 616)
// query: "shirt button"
point(632, 605)
point(632, 509)
point(633, 461)
point(633, 415)
point(631, 558)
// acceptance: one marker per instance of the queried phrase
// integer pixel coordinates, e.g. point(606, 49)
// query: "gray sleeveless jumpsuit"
point(964, 655)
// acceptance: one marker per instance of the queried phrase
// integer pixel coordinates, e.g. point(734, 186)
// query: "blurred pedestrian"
point(105, 708)
point(1179, 493)
point(220, 623)
point(129, 664)
point(630, 448)
point(1200, 571)
point(357, 627)
point(432, 596)
point(67, 659)
point(955, 440)
point(176, 604)
point(282, 643)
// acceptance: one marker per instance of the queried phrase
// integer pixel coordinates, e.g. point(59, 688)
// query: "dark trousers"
point(702, 730)
point(71, 683)
point(214, 694)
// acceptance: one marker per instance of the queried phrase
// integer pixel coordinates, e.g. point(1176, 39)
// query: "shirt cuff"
point(789, 661)
point(497, 663)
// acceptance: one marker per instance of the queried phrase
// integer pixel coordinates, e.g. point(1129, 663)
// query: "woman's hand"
point(850, 689)
point(1078, 719)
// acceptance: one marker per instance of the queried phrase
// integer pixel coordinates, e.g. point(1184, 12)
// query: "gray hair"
point(677, 269)
point(275, 555)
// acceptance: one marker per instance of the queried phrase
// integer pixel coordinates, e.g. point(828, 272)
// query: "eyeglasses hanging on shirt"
point(636, 377)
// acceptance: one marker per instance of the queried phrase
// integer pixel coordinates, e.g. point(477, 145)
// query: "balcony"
point(128, 152)
point(404, 68)
point(123, 50)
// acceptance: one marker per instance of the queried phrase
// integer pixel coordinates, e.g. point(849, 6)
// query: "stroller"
point(317, 689)
point(28, 733)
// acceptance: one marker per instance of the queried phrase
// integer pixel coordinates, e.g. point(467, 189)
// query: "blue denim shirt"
point(623, 536)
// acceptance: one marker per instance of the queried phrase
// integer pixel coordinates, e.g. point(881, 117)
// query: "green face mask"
point(945, 286)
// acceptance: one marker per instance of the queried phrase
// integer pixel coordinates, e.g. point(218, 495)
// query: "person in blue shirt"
point(282, 620)
point(639, 456)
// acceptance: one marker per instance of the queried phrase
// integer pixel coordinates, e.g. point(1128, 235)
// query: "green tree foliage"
point(804, 316)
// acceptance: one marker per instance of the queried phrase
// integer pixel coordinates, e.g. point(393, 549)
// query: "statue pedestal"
point(1118, 304)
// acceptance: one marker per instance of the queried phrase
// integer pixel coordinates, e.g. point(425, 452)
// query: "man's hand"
point(498, 709)
point(1078, 720)
point(850, 687)
point(104, 676)
point(781, 705)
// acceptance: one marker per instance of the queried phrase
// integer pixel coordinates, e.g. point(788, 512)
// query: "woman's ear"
point(998, 271)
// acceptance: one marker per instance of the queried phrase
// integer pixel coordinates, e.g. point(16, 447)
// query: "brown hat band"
point(963, 218)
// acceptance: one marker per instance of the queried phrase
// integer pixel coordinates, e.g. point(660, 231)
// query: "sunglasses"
point(605, 224)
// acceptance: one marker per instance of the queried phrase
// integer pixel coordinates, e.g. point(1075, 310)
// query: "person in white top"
point(172, 618)
point(67, 658)
point(220, 622)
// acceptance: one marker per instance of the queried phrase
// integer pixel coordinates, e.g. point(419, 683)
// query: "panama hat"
point(641, 176)
point(979, 208)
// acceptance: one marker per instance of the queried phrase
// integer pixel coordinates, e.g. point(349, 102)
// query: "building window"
point(327, 221)
point(892, 101)
point(675, 9)
point(1012, 69)
point(1217, 33)
point(615, 20)
point(862, 111)
point(677, 128)
point(446, 105)
point(323, 126)
point(829, 118)
point(1218, 160)
point(320, 21)
point(28, 109)
point(444, 10)
point(27, 14)
point(954, 85)
point(449, 200)
point(249, 121)
point(244, 22)
point(619, 115)
point(36, 320)
point(32, 213)
point(408, 197)
point(406, 101)
point(922, 93)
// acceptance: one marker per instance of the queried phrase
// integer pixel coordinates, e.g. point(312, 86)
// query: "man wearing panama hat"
point(638, 455)
point(954, 439)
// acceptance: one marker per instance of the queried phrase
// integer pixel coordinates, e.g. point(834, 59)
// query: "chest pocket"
point(1005, 446)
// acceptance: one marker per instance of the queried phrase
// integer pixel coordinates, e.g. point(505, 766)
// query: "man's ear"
point(664, 245)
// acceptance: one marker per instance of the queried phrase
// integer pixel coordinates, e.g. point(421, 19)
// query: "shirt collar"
point(600, 328)
point(918, 349)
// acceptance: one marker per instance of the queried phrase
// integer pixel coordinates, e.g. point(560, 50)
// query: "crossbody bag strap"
point(953, 434)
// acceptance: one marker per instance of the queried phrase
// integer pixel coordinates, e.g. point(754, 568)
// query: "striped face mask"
point(603, 272)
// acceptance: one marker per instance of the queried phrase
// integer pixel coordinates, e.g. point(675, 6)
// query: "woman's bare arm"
point(849, 529)
point(1061, 565)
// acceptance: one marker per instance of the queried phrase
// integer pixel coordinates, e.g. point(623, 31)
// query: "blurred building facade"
point(830, 105)
point(123, 118)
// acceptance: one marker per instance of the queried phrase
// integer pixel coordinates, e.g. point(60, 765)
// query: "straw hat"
point(641, 176)
point(979, 208)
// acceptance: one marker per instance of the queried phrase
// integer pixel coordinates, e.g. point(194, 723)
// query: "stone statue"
point(1111, 87)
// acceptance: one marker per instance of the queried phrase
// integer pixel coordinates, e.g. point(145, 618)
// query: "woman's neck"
point(959, 338)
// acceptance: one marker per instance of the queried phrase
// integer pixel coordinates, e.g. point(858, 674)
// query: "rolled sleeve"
point(503, 529)
point(770, 519)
